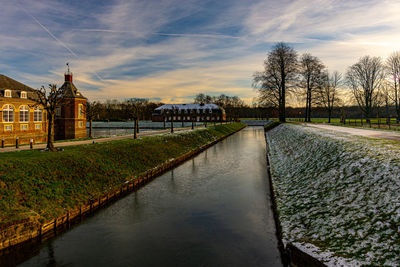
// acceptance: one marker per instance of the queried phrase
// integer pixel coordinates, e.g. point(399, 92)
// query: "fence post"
point(17, 142)
point(31, 143)
point(2, 143)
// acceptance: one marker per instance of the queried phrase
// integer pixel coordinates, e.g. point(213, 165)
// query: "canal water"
point(213, 210)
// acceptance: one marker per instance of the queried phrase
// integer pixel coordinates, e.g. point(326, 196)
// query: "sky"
point(171, 50)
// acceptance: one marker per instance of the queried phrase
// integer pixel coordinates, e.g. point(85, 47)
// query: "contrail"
point(48, 31)
point(200, 35)
point(56, 39)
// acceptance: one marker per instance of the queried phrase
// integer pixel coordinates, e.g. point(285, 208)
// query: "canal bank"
point(213, 210)
point(130, 170)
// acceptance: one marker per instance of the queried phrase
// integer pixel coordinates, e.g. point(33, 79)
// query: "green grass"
point(45, 184)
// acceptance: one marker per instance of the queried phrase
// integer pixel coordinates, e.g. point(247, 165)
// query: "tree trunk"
point(50, 132)
point(172, 123)
point(90, 129)
point(135, 129)
point(329, 115)
point(309, 107)
point(137, 125)
point(282, 102)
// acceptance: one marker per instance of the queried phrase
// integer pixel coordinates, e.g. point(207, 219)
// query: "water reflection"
point(213, 210)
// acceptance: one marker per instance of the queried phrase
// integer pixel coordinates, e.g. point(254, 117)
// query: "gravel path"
point(361, 132)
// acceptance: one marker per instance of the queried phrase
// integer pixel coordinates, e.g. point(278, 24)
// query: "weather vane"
point(68, 66)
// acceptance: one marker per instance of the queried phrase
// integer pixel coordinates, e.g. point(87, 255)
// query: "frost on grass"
point(338, 192)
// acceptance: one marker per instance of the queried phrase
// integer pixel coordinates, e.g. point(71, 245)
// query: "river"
point(213, 210)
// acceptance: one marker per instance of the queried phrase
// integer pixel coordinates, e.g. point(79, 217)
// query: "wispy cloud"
point(173, 49)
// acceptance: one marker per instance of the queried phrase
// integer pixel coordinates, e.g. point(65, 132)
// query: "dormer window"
point(24, 95)
point(7, 93)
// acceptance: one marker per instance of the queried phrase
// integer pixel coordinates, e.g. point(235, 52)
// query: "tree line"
point(373, 83)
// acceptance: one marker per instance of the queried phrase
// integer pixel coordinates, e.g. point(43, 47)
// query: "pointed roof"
point(69, 89)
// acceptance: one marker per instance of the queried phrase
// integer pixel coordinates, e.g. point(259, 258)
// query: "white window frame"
point(80, 124)
point(24, 95)
point(80, 111)
point(23, 113)
point(38, 114)
point(38, 126)
point(7, 108)
point(24, 127)
point(7, 93)
point(8, 127)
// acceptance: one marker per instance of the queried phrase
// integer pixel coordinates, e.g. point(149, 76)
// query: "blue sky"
point(174, 49)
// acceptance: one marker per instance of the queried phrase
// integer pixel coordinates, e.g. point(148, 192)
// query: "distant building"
point(22, 117)
point(189, 112)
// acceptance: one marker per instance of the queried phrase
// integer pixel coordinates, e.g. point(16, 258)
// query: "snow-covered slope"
point(338, 192)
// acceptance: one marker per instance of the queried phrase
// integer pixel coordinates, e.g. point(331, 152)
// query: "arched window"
point(8, 113)
point(38, 114)
point(23, 114)
point(81, 112)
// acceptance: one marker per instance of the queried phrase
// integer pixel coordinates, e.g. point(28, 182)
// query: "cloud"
point(170, 50)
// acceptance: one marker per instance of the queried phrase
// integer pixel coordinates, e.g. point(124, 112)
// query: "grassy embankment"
point(34, 183)
point(337, 192)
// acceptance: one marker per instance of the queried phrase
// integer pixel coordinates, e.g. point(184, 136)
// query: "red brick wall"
point(68, 125)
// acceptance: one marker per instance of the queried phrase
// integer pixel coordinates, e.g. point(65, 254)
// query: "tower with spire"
point(70, 120)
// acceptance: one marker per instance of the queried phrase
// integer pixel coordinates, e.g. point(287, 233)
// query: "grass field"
point(44, 184)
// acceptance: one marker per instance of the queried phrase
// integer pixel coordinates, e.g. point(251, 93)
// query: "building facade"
point(70, 122)
point(20, 116)
point(23, 119)
point(189, 112)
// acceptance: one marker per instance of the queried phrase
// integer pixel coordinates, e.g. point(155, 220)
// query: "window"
point(24, 95)
point(80, 124)
point(80, 111)
point(23, 114)
point(58, 112)
point(8, 113)
point(7, 93)
point(8, 127)
point(38, 114)
point(24, 127)
point(38, 126)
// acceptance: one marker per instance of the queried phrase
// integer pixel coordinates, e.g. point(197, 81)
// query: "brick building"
point(21, 117)
point(70, 120)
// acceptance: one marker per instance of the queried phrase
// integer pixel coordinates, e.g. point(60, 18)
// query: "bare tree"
point(384, 99)
point(327, 92)
point(279, 75)
point(50, 99)
point(365, 78)
point(393, 69)
point(92, 110)
point(311, 76)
